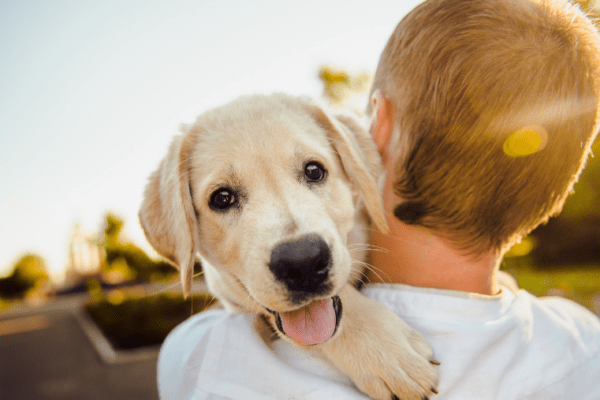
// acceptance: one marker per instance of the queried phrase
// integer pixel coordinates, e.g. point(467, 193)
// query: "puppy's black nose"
point(303, 264)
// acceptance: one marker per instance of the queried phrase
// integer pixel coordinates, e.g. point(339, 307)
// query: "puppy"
point(276, 196)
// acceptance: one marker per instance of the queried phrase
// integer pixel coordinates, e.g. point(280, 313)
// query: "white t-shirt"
point(508, 346)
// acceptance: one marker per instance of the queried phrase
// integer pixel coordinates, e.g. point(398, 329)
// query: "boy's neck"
point(414, 256)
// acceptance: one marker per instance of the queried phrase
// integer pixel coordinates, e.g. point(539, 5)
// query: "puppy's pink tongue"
point(311, 324)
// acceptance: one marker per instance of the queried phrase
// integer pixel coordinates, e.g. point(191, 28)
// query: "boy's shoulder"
point(567, 315)
point(522, 346)
point(561, 339)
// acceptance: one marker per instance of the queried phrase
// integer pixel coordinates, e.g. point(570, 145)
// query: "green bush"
point(130, 262)
point(143, 321)
point(142, 267)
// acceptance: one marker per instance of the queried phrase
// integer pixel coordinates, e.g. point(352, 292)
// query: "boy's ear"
point(383, 121)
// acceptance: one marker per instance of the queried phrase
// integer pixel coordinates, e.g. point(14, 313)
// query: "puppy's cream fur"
point(258, 147)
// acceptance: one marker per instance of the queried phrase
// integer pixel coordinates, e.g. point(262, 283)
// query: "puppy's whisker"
point(255, 307)
point(164, 289)
point(356, 274)
point(172, 286)
point(362, 247)
point(354, 251)
point(369, 245)
point(371, 268)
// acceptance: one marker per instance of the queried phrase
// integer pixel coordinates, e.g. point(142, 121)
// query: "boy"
point(484, 113)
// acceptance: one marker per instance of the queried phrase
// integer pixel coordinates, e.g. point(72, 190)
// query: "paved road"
point(44, 355)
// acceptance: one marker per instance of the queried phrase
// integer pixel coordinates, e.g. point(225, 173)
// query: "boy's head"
point(495, 107)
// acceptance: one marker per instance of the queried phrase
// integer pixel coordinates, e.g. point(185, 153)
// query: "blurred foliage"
point(586, 198)
point(568, 241)
point(131, 321)
point(578, 283)
point(127, 262)
point(112, 228)
point(573, 237)
point(589, 6)
point(94, 288)
point(343, 89)
point(126, 316)
point(28, 276)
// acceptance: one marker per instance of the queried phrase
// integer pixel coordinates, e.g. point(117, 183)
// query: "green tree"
point(585, 201)
point(126, 261)
point(29, 273)
point(112, 229)
point(341, 87)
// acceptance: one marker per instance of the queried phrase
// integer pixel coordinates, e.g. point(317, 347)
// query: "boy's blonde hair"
point(496, 109)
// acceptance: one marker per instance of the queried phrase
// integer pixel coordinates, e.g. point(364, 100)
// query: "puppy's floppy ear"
point(167, 214)
point(359, 157)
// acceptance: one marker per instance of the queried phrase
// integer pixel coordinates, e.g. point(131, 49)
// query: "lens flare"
point(526, 141)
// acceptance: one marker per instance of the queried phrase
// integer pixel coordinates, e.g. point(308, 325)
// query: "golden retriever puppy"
point(276, 196)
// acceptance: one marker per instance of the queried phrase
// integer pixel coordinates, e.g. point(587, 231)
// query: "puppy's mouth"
point(314, 323)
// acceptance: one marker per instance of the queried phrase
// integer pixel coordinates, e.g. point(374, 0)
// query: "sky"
point(91, 94)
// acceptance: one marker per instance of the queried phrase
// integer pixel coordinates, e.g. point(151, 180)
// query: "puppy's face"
point(274, 204)
point(265, 190)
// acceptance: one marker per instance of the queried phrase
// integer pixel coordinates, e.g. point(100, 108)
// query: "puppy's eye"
point(314, 172)
point(222, 199)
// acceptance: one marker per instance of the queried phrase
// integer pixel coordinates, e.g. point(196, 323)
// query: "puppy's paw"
point(396, 361)
point(382, 355)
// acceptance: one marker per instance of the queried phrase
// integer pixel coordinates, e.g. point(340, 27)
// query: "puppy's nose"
point(303, 264)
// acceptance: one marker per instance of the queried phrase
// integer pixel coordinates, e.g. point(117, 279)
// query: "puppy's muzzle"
point(303, 266)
